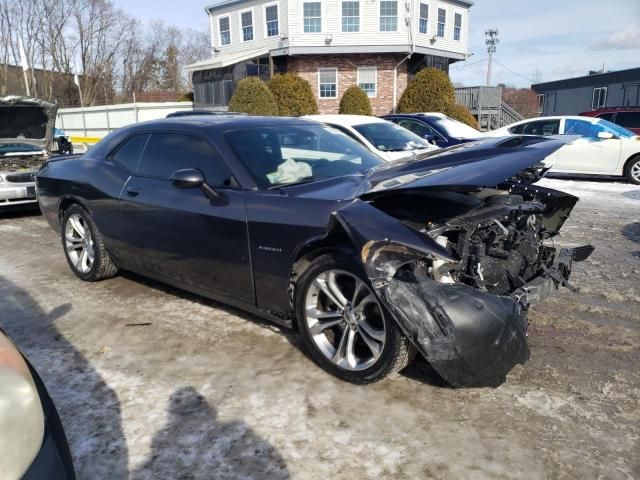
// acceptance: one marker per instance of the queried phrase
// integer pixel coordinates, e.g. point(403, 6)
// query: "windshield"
point(617, 130)
point(389, 137)
point(457, 129)
point(287, 154)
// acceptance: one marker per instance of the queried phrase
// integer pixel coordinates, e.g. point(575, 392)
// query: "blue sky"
point(543, 39)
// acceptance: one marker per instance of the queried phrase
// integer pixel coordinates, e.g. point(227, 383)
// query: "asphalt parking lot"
point(155, 383)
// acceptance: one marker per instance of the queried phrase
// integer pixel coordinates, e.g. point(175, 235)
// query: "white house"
point(376, 44)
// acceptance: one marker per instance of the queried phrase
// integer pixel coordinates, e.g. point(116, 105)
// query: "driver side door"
point(588, 153)
point(181, 235)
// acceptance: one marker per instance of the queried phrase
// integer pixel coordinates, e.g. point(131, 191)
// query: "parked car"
point(62, 142)
point(296, 222)
point(26, 135)
point(600, 147)
point(436, 127)
point(33, 444)
point(200, 111)
point(385, 139)
point(627, 117)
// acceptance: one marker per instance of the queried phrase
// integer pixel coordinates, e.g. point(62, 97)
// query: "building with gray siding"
point(575, 95)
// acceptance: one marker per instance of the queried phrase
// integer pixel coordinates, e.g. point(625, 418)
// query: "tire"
point(632, 171)
point(78, 246)
point(358, 341)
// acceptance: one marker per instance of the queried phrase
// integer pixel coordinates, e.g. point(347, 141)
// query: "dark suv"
point(627, 117)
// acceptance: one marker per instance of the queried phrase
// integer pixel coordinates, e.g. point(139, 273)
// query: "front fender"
point(470, 337)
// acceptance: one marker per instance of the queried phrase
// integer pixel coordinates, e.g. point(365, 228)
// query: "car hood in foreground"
point(485, 163)
point(26, 121)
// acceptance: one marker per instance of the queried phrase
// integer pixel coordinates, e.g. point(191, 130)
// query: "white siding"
point(291, 24)
point(447, 43)
point(260, 39)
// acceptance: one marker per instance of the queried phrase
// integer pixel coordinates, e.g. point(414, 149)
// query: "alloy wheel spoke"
point(327, 283)
point(82, 260)
point(77, 226)
point(359, 307)
point(374, 333)
point(374, 345)
point(321, 326)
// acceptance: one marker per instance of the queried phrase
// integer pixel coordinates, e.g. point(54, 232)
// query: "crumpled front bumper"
point(471, 337)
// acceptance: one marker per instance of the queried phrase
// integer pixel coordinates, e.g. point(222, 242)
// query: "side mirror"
point(187, 178)
point(606, 135)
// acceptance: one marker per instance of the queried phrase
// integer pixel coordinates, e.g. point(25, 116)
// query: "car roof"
point(224, 122)
point(556, 117)
point(345, 120)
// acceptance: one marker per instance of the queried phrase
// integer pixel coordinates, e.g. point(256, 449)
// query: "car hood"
point(25, 122)
point(485, 163)
point(404, 154)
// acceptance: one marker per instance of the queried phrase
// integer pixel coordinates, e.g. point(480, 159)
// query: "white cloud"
point(627, 39)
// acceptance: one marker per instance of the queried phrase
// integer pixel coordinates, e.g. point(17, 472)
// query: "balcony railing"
point(486, 104)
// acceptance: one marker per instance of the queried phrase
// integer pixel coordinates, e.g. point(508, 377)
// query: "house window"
point(367, 80)
point(540, 103)
point(328, 82)
point(457, 26)
point(599, 99)
point(424, 18)
point(350, 16)
point(271, 18)
point(312, 17)
point(225, 30)
point(388, 16)
point(246, 20)
point(442, 20)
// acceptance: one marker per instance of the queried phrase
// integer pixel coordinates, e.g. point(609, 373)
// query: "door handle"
point(132, 192)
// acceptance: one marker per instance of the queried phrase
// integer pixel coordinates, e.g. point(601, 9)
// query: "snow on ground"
point(206, 391)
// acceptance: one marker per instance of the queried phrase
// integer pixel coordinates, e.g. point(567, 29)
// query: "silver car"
point(26, 136)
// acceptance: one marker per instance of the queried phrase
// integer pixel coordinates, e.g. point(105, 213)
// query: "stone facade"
point(307, 67)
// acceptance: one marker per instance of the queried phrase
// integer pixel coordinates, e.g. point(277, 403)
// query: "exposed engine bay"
point(499, 237)
point(27, 163)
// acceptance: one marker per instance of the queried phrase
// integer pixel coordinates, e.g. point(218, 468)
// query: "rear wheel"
point(633, 170)
point(84, 247)
point(343, 325)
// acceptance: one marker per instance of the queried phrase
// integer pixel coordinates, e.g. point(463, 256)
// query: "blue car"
point(436, 128)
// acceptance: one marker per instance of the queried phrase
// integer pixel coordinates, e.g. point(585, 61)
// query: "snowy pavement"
point(154, 383)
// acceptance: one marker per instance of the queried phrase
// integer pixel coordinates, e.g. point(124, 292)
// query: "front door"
point(180, 234)
point(588, 153)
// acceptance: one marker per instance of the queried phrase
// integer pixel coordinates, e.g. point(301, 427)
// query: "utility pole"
point(491, 40)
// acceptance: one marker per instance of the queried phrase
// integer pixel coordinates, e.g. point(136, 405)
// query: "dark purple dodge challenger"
point(294, 221)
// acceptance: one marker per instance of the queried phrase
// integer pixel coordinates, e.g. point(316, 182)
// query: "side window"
point(517, 130)
point(542, 127)
point(628, 119)
point(582, 128)
point(167, 152)
point(418, 128)
point(128, 154)
point(606, 116)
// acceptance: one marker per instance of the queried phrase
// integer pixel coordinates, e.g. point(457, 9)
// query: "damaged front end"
point(458, 268)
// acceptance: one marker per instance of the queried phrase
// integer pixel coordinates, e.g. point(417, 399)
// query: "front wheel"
point(84, 247)
point(633, 170)
point(346, 330)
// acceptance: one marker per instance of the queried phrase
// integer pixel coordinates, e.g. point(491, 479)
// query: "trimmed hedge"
point(429, 91)
point(253, 97)
point(462, 114)
point(293, 95)
point(355, 101)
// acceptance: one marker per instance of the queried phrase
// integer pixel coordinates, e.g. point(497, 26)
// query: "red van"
point(627, 117)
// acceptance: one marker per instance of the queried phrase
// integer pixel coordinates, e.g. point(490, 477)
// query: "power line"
point(514, 72)
point(461, 66)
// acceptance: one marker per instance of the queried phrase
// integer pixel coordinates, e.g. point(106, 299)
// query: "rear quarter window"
point(628, 119)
